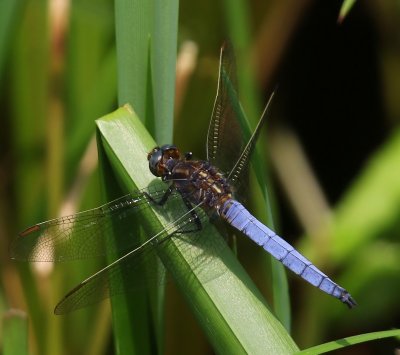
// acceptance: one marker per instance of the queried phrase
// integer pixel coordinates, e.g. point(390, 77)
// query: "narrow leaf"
point(15, 333)
point(345, 342)
point(228, 306)
point(345, 9)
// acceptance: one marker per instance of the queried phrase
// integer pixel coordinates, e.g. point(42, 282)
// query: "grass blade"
point(345, 342)
point(345, 9)
point(8, 22)
point(15, 333)
point(163, 63)
point(146, 33)
point(229, 308)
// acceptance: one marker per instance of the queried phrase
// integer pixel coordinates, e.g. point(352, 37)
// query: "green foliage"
point(15, 332)
point(345, 9)
point(228, 307)
point(57, 81)
point(345, 342)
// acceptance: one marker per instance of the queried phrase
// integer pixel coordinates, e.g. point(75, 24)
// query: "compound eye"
point(154, 150)
point(154, 158)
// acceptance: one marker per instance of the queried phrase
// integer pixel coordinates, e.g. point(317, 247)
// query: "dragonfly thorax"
point(199, 181)
point(196, 180)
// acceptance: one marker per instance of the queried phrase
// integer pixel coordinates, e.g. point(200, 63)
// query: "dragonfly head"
point(162, 159)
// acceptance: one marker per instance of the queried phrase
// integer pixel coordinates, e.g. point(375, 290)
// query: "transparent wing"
point(84, 235)
point(108, 282)
point(224, 139)
point(242, 163)
point(141, 261)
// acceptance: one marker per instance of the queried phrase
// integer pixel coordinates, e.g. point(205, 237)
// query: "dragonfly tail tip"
point(348, 300)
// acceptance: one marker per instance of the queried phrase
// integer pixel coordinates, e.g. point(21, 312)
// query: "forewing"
point(242, 163)
point(110, 281)
point(224, 139)
point(85, 234)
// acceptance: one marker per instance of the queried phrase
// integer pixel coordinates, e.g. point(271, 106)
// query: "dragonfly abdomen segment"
point(238, 216)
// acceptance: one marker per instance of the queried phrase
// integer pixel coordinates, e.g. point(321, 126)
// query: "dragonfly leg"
point(163, 199)
point(195, 217)
point(189, 206)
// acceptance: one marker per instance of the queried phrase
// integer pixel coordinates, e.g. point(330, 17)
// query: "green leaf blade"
point(345, 342)
point(229, 308)
point(15, 332)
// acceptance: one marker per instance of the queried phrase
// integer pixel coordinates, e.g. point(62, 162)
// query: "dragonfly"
point(207, 190)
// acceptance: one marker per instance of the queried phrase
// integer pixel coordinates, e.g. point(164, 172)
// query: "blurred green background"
point(332, 143)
